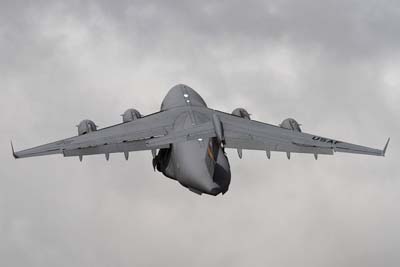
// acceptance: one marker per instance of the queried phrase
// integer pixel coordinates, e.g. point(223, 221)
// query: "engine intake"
point(241, 112)
point(86, 126)
point(131, 115)
point(291, 124)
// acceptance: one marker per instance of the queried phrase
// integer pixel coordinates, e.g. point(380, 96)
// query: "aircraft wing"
point(242, 133)
point(124, 137)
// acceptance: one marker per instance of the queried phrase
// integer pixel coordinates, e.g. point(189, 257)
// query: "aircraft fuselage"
point(201, 165)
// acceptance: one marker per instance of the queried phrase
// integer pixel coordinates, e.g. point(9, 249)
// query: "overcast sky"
point(332, 65)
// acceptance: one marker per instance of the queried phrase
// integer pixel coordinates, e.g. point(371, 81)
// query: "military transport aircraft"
point(191, 139)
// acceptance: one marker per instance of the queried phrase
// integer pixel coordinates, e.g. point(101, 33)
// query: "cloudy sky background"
point(332, 65)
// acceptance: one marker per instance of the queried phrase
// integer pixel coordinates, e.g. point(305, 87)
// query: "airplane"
point(188, 140)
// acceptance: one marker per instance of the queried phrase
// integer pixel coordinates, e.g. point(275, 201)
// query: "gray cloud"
point(333, 65)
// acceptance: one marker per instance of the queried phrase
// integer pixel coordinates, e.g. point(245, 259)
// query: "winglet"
point(13, 152)
point(386, 146)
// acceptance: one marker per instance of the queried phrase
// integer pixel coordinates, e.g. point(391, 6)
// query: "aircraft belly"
point(191, 168)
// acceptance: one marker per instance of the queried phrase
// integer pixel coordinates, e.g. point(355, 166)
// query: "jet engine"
point(241, 112)
point(86, 126)
point(291, 124)
point(131, 115)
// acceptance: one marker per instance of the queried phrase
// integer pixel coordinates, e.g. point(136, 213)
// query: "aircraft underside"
point(196, 165)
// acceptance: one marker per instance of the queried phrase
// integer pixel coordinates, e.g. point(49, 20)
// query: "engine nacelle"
point(131, 115)
point(86, 126)
point(291, 124)
point(241, 112)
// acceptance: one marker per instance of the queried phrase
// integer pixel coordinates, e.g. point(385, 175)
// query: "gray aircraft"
point(191, 139)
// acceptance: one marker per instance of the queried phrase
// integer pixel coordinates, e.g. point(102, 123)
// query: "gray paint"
point(195, 138)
